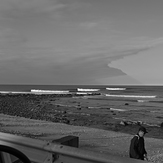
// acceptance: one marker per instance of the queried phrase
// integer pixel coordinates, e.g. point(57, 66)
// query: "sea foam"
point(115, 89)
point(49, 91)
point(130, 96)
point(82, 89)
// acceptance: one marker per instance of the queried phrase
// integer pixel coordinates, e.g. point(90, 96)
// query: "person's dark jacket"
point(137, 148)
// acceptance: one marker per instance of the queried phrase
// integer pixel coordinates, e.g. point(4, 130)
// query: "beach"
point(100, 124)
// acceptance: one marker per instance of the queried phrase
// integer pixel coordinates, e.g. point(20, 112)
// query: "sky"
point(96, 42)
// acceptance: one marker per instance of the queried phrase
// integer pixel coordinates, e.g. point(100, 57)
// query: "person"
point(137, 145)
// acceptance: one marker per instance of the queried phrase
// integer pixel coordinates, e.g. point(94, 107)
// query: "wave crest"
point(49, 91)
point(115, 89)
point(130, 96)
point(82, 89)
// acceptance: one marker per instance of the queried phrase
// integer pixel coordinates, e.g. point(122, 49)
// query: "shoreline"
point(79, 111)
point(100, 129)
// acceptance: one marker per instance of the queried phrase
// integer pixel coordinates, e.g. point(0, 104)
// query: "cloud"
point(108, 53)
point(11, 43)
point(11, 36)
point(87, 56)
point(88, 25)
point(16, 9)
point(29, 8)
point(134, 46)
point(49, 70)
point(120, 80)
point(140, 42)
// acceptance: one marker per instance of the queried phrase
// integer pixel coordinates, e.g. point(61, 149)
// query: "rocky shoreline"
point(53, 116)
point(46, 107)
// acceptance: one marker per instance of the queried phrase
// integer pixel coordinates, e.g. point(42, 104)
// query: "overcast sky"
point(81, 42)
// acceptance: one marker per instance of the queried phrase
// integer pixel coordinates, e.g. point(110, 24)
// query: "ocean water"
point(120, 91)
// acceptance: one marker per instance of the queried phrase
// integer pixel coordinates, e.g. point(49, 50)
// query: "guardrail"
point(40, 151)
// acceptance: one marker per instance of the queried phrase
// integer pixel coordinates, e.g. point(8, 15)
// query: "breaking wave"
point(115, 89)
point(49, 91)
point(142, 100)
point(81, 93)
point(87, 93)
point(130, 96)
point(114, 109)
point(13, 92)
point(91, 90)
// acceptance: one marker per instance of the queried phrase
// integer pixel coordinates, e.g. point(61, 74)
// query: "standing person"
point(137, 146)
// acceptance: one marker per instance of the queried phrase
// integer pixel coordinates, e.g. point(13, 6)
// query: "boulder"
point(123, 123)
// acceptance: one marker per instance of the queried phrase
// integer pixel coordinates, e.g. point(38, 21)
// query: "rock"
point(123, 123)
point(139, 122)
point(73, 119)
point(105, 123)
point(161, 125)
point(66, 121)
point(79, 108)
point(129, 122)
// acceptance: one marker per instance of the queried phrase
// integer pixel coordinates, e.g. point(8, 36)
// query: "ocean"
point(154, 93)
point(116, 89)
point(144, 103)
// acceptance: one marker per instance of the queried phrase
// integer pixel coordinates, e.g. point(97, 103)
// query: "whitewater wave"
point(82, 89)
point(115, 89)
point(81, 93)
point(114, 109)
point(130, 96)
point(142, 100)
point(49, 91)
point(36, 92)
point(12, 92)
point(87, 93)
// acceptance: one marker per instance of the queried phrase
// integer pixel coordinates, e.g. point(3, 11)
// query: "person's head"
point(142, 131)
